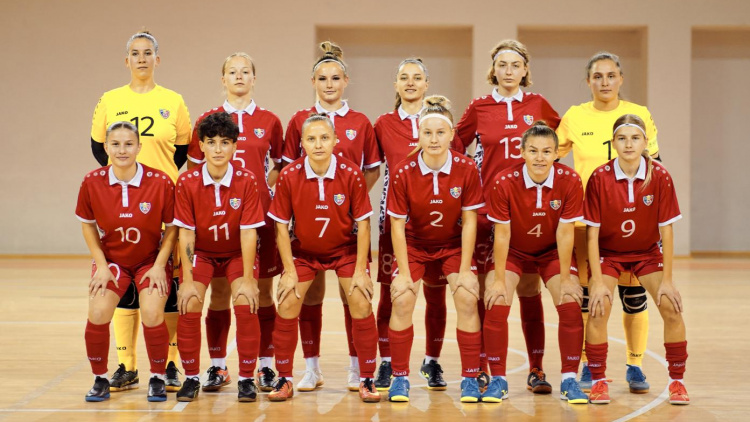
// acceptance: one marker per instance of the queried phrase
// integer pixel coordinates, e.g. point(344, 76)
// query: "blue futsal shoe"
point(636, 380)
point(571, 391)
point(585, 381)
point(470, 391)
point(496, 391)
point(399, 390)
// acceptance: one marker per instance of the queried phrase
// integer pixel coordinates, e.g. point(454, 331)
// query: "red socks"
point(266, 318)
point(365, 336)
point(597, 354)
point(310, 325)
point(97, 346)
point(383, 319)
point(434, 319)
point(401, 342)
point(570, 335)
point(157, 346)
point(483, 351)
point(532, 323)
point(248, 339)
point(217, 332)
point(495, 332)
point(189, 342)
point(348, 326)
point(469, 345)
point(285, 342)
point(676, 357)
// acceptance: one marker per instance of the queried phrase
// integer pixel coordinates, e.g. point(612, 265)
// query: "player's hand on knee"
point(157, 276)
point(469, 281)
point(571, 288)
point(361, 280)
point(668, 289)
point(287, 284)
point(598, 293)
point(495, 294)
point(402, 284)
point(99, 281)
point(186, 291)
point(248, 287)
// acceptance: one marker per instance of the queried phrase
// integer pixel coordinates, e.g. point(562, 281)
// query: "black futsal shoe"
point(100, 390)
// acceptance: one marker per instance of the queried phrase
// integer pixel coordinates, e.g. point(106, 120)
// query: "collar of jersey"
point(640, 174)
point(250, 109)
point(135, 181)
point(225, 181)
point(404, 115)
point(499, 98)
point(310, 173)
point(426, 170)
point(531, 184)
point(340, 112)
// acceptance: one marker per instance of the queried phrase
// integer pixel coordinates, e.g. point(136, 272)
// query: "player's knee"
point(403, 306)
point(315, 293)
point(194, 305)
point(98, 315)
point(152, 316)
point(528, 289)
point(466, 303)
point(633, 298)
point(359, 307)
point(668, 312)
point(240, 301)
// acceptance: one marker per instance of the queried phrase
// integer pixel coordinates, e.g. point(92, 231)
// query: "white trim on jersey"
point(590, 223)
point(668, 222)
point(252, 226)
point(549, 182)
point(571, 220)
point(273, 217)
point(364, 216)
point(393, 214)
point(414, 120)
point(373, 165)
point(330, 173)
point(225, 181)
point(472, 207)
point(250, 109)
point(620, 175)
point(495, 220)
point(83, 220)
point(508, 100)
point(135, 181)
point(332, 114)
point(196, 161)
point(179, 223)
point(446, 168)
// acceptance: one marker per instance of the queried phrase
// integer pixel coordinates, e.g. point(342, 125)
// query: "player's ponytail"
point(434, 106)
point(635, 121)
point(413, 60)
point(539, 128)
point(331, 53)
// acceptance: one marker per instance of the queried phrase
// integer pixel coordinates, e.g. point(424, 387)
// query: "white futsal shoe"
point(312, 379)
point(352, 378)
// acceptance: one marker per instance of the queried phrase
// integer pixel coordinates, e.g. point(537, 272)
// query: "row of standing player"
point(603, 75)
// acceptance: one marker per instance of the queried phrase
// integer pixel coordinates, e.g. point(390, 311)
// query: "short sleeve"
point(669, 209)
point(184, 215)
point(563, 135)
point(281, 206)
point(361, 207)
point(651, 132)
point(398, 205)
point(292, 139)
point(182, 124)
point(252, 211)
point(549, 115)
point(372, 155)
point(466, 130)
point(472, 198)
point(277, 140)
point(167, 212)
point(591, 208)
point(573, 201)
point(84, 211)
point(99, 121)
point(499, 209)
point(194, 148)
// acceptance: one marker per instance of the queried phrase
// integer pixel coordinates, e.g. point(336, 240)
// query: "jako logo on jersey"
point(587, 133)
point(555, 204)
point(259, 132)
point(648, 199)
point(511, 126)
point(126, 215)
point(538, 214)
point(145, 207)
point(528, 119)
point(120, 113)
point(455, 191)
point(222, 212)
point(351, 134)
point(164, 113)
point(436, 201)
point(235, 202)
point(321, 207)
point(628, 209)
point(339, 198)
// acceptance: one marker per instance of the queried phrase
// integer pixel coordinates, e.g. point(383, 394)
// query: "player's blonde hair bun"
point(437, 101)
point(331, 50)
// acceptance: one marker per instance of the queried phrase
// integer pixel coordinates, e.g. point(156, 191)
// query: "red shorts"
point(546, 265)
point(387, 263)
point(204, 269)
point(307, 266)
point(614, 266)
point(269, 261)
point(127, 275)
point(438, 263)
point(483, 246)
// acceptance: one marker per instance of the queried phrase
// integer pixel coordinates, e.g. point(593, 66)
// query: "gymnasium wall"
point(59, 57)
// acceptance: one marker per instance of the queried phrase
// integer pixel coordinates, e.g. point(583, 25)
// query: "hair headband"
point(508, 51)
point(630, 125)
point(437, 116)
point(329, 61)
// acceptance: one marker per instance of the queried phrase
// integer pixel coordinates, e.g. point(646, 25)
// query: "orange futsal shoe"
point(367, 391)
point(282, 391)
point(600, 392)
point(678, 394)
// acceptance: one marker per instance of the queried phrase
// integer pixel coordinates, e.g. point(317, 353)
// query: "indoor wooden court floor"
point(44, 372)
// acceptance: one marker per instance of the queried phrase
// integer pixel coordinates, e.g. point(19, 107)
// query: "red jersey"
point(498, 123)
point(324, 208)
point(627, 214)
point(433, 200)
point(218, 211)
point(532, 210)
point(356, 138)
point(129, 216)
point(397, 134)
point(261, 136)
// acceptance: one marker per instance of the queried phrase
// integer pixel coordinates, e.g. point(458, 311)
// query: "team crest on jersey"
point(455, 192)
point(528, 119)
point(235, 202)
point(339, 198)
point(648, 199)
point(351, 134)
point(259, 132)
point(164, 113)
point(145, 207)
point(555, 204)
